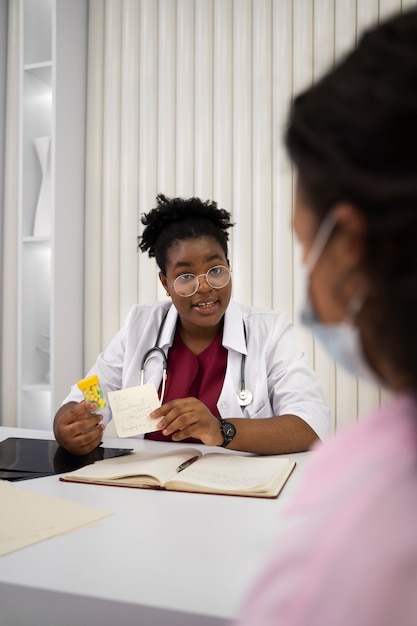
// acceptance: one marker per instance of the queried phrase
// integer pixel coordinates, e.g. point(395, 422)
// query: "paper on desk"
point(131, 407)
point(28, 517)
point(15, 519)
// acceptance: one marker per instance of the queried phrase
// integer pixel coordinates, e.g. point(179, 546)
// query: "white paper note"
point(131, 408)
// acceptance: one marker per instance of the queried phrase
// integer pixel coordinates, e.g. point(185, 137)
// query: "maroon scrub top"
point(200, 376)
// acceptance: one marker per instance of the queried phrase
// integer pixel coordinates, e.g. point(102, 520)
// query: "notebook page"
point(161, 466)
point(233, 473)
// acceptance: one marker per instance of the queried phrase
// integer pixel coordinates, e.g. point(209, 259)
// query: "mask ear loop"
point(323, 234)
point(355, 305)
point(322, 237)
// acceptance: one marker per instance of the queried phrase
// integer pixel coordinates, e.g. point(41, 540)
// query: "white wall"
point(190, 97)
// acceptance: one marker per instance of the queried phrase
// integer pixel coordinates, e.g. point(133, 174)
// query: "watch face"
point(228, 429)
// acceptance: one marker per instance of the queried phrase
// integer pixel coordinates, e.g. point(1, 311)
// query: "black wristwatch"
point(228, 431)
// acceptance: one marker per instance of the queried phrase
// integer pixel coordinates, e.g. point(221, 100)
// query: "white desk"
point(162, 558)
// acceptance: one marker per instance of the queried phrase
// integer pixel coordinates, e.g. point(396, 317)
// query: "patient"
point(351, 556)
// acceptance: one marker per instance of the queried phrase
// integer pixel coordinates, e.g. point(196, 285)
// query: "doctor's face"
point(206, 307)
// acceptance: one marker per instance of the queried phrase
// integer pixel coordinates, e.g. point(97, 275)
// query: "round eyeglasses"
point(187, 285)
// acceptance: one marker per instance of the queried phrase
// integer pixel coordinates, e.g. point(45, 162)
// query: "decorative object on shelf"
point(45, 350)
point(42, 219)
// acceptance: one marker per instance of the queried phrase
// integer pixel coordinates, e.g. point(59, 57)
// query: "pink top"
point(350, 558)
point(198, 376)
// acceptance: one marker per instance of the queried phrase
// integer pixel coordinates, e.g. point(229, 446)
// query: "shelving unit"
point(51, 207)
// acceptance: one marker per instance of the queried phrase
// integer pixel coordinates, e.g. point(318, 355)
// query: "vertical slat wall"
point(190, 97)
point(346, 396)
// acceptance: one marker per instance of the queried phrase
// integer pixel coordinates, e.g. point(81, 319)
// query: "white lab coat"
point(276, 371)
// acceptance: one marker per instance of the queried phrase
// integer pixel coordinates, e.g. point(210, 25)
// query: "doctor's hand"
point(188, 417)
point(77, 429)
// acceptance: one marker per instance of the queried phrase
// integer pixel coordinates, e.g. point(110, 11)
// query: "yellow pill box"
point(92, 392)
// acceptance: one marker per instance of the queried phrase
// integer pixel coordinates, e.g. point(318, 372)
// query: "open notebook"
point(188, 469)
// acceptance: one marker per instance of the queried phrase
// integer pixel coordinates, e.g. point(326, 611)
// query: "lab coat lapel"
point(234, 340)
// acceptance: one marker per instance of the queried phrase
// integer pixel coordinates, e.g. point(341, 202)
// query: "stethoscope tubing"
point(244, 396)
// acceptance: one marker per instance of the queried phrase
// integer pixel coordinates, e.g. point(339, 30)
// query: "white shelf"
point(50, 306)
point(39, 387)
point(41, 71)
point(36, 240)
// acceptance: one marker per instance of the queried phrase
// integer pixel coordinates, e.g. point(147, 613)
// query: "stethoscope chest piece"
point(244, 397)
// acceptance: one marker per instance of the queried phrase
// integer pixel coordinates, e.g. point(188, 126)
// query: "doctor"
point(212, 360)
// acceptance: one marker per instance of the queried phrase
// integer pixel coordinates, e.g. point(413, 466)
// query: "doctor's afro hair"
point(175, 219)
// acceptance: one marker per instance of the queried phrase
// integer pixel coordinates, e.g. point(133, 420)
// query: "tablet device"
point(21, 458)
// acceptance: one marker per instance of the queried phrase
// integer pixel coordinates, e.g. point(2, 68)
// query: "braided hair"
point(175, 219)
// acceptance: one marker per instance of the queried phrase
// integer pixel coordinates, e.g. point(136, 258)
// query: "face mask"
point(342, 339)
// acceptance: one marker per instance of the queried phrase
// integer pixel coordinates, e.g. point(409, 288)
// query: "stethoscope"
point(244, 396)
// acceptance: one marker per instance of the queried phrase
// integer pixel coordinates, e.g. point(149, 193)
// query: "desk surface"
point(161, 558)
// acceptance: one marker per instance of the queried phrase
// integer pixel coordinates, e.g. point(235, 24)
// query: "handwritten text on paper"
point(131, 408)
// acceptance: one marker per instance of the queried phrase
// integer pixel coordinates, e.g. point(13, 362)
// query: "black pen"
point(187, 463)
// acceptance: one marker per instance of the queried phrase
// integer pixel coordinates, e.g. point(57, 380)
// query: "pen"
point(186, 463)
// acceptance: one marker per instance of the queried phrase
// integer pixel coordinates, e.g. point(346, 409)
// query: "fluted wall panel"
point(190, 97)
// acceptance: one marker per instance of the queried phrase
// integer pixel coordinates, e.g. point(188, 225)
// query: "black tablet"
point(21, 458)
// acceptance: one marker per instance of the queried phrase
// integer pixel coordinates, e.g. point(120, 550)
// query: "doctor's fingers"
point(79, 412)
point(173, 409)
point(85, 442)
point(88, 423)
point(183, 416)
point(179, 405)
point(204, 427)
point(199, 424)
point(175, 420)
point(75, 412)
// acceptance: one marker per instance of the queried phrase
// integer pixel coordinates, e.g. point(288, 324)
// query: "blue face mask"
point(340, 339)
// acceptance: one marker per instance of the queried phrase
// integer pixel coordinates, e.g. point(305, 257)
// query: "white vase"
point(42, 220)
